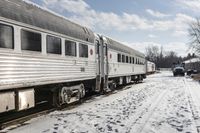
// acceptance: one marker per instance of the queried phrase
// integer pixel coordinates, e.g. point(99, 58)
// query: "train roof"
point(21, 11)
point(149, 62)
point(123, 48)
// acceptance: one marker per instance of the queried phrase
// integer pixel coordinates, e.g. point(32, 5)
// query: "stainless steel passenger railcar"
point(43, 55)
point(151, 67)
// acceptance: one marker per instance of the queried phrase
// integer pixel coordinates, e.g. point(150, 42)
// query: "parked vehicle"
point(178, 69)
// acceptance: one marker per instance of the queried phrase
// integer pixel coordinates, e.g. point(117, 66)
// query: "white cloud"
point(178, 25)
point(190, 4)
point(157, 14)
point(83, 14)
point(152, 36)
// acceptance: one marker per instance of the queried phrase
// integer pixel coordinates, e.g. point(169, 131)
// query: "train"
point(151, 67)
point(45, 57)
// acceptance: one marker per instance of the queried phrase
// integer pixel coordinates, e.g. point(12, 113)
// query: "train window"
point(126, 59)
point(136, 62)
point(123, 58)
point(119, 57)
point(97, 47)
point(133, 60)
point(6, 36)
point(53, 45)
point(70, 48)
point(83, 50)
point(130, 60)
point(105, 50)
point(30, 41)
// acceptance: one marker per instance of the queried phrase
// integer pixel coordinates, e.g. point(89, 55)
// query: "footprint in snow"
point(175, 124)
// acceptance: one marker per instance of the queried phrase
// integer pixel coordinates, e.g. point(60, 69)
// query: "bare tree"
point(194, 33)
point(152, 53)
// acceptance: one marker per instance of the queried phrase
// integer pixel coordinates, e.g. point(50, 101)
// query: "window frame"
point(13, 39)
point(123, 58)
point(127, 59)
point(47, 45)
point(119, 59)
point(74, 44)
point(83, 44)
point(27, 30)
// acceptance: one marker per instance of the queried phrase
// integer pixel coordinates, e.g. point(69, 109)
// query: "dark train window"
point(119, 58)
point(133, 60)
point(30, 40)
point(70, 48)
point(136, 62)
point(126, 59)
point(105, 50)
point(83, 50)
point(130, 60)
point(53, 45)
point(97, 47)
point(6, 36)
point(123, 58)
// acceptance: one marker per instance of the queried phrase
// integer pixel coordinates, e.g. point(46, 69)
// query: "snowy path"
point(162, 104)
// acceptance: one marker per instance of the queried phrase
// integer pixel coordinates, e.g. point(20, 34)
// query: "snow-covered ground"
point(161, 104)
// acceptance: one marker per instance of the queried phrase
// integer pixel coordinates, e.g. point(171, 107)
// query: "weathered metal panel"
point(21, 11)
point(26, 99)
point(7, 100)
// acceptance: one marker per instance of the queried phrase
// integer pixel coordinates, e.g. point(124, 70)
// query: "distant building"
point(192, 64)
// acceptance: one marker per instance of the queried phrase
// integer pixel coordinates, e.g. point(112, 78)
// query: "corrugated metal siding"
point(116, 69)
point(18, 69)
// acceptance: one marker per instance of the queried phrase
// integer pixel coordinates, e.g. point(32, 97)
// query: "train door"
point(105, 47)
point(98, 66)
point(102, 65)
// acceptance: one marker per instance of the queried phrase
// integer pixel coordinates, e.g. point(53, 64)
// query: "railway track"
point(193, 99)
point(19, 118)
point(146, 113)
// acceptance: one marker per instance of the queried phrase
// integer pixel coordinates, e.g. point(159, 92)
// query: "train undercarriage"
point(22, 101)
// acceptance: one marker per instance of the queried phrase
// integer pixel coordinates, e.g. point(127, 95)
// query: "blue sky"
point(137, 23)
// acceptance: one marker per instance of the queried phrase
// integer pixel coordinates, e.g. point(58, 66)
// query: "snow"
point(161, 104)
point(193, 60)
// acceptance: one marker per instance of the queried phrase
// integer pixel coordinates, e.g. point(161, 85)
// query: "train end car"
point(151, 67)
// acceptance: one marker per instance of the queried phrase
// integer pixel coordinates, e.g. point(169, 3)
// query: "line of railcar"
point(44, 57)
